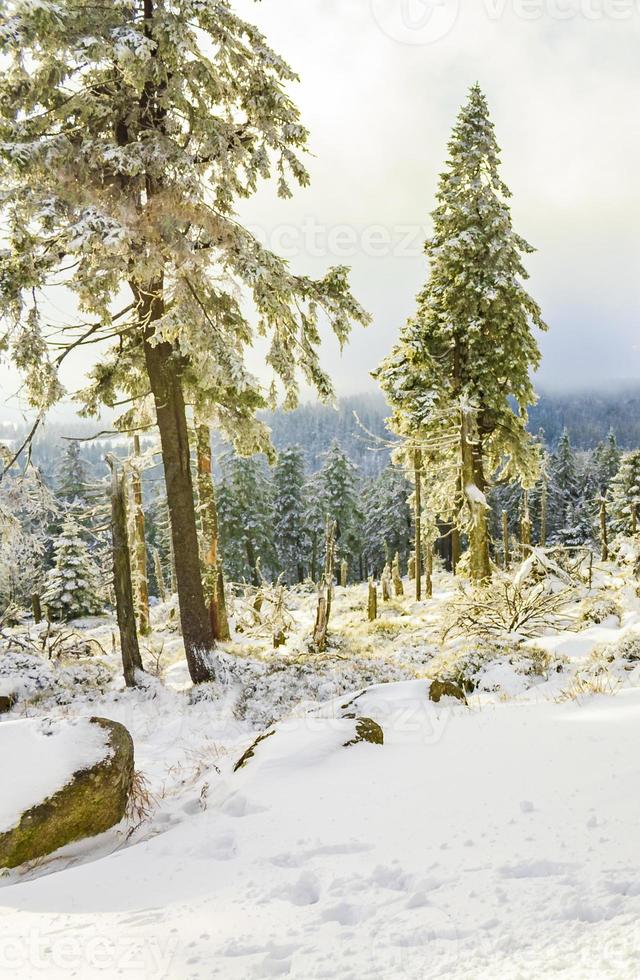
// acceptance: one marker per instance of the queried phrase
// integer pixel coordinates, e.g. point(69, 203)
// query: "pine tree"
point(340, 493)
point(246, 516)
point(28, 511)
point(387, 519)
point(128, 135)
point(73, 586)
point(563, 487)
point(606, 462)
point(624, 495)
point(464, 360)
point(315, 525)
point(289, 509)
point(73, 475)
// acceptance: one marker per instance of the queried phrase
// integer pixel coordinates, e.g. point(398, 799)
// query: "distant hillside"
point(587, 415)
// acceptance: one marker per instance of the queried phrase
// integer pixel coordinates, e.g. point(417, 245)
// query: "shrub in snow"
point(621, 656)
point(600, 608)
point(30, 678)
point(268, 690)
point(492, 666)
point(73, 584)
point(505, 608)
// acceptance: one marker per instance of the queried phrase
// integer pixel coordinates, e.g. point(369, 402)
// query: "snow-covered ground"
point(497, 839)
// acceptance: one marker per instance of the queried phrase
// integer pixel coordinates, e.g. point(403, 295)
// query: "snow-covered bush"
point(268, 690)
point(32, 679)
point(506, 607)
point(493, 666)
point(598, 609)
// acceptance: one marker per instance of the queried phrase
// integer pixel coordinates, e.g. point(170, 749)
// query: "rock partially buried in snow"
point(7, 702)
point(66, 781)
point(367, 730)
point(306, 741)
point(446, 689)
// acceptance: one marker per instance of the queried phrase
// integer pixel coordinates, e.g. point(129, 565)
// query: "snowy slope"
point(492, 842)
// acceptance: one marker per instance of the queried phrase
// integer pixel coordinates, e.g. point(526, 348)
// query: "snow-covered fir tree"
point(340, 488)
point(624, 495)
point(246, 518)
point(606, 462)
point(563, 486)
point(73, 586)
point(387, 520)
point(73, 475)
point(28, 512)
point(465, 359)
point(315, 520)
point(290, 532)
point(127, 191)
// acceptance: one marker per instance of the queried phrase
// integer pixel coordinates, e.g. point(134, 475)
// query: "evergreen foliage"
point(73, 586)
point(459, 379)
point(387, 519)
point(291, 538)
point(246, 519)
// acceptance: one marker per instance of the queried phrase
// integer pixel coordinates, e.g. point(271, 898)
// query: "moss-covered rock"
point(367, 730)
point(446, 689)
point(94, 800)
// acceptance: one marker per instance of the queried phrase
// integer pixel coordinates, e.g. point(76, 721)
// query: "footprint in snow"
point(240, 806)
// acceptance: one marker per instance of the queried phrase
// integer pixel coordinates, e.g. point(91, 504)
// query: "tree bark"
point(544, 505)
point(209, 528)
point(164, 369)
point(417, 470)
point(505, 540)
point(123, 586)
point(140, 547)
point(474, 486)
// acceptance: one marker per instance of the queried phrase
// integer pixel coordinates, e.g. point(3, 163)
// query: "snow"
point(39, 757)
point(494, 840)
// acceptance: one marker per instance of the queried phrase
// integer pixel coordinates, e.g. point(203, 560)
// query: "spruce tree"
point(459, 379)
point(340, 493)
point(128, 135)
point(289, 510)
point(624, 495)
point(563, 487)
point(73, 475)
point(246, 518)
point(606, 461)
point(387, 519)
point(73, 586)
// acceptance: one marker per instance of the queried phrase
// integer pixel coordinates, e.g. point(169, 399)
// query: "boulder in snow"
point(367, 730)
point(63, 781)
point(446, 689)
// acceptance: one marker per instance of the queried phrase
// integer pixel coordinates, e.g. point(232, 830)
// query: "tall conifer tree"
point(459, 379)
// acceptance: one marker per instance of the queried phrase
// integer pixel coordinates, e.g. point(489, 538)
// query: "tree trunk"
point(372, 606)
point(159, 573)
point(526, 529)
point(604, 535)
point(140, 547)
point(428, 570)
point(544, 506)
point(36, 605)
point(209, 527)
point(505, 540)
point(417, 470)
point(123, 586)
point(164, 370)
point(474, 486)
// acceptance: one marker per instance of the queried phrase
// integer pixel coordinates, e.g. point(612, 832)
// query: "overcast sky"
point(381, 84)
